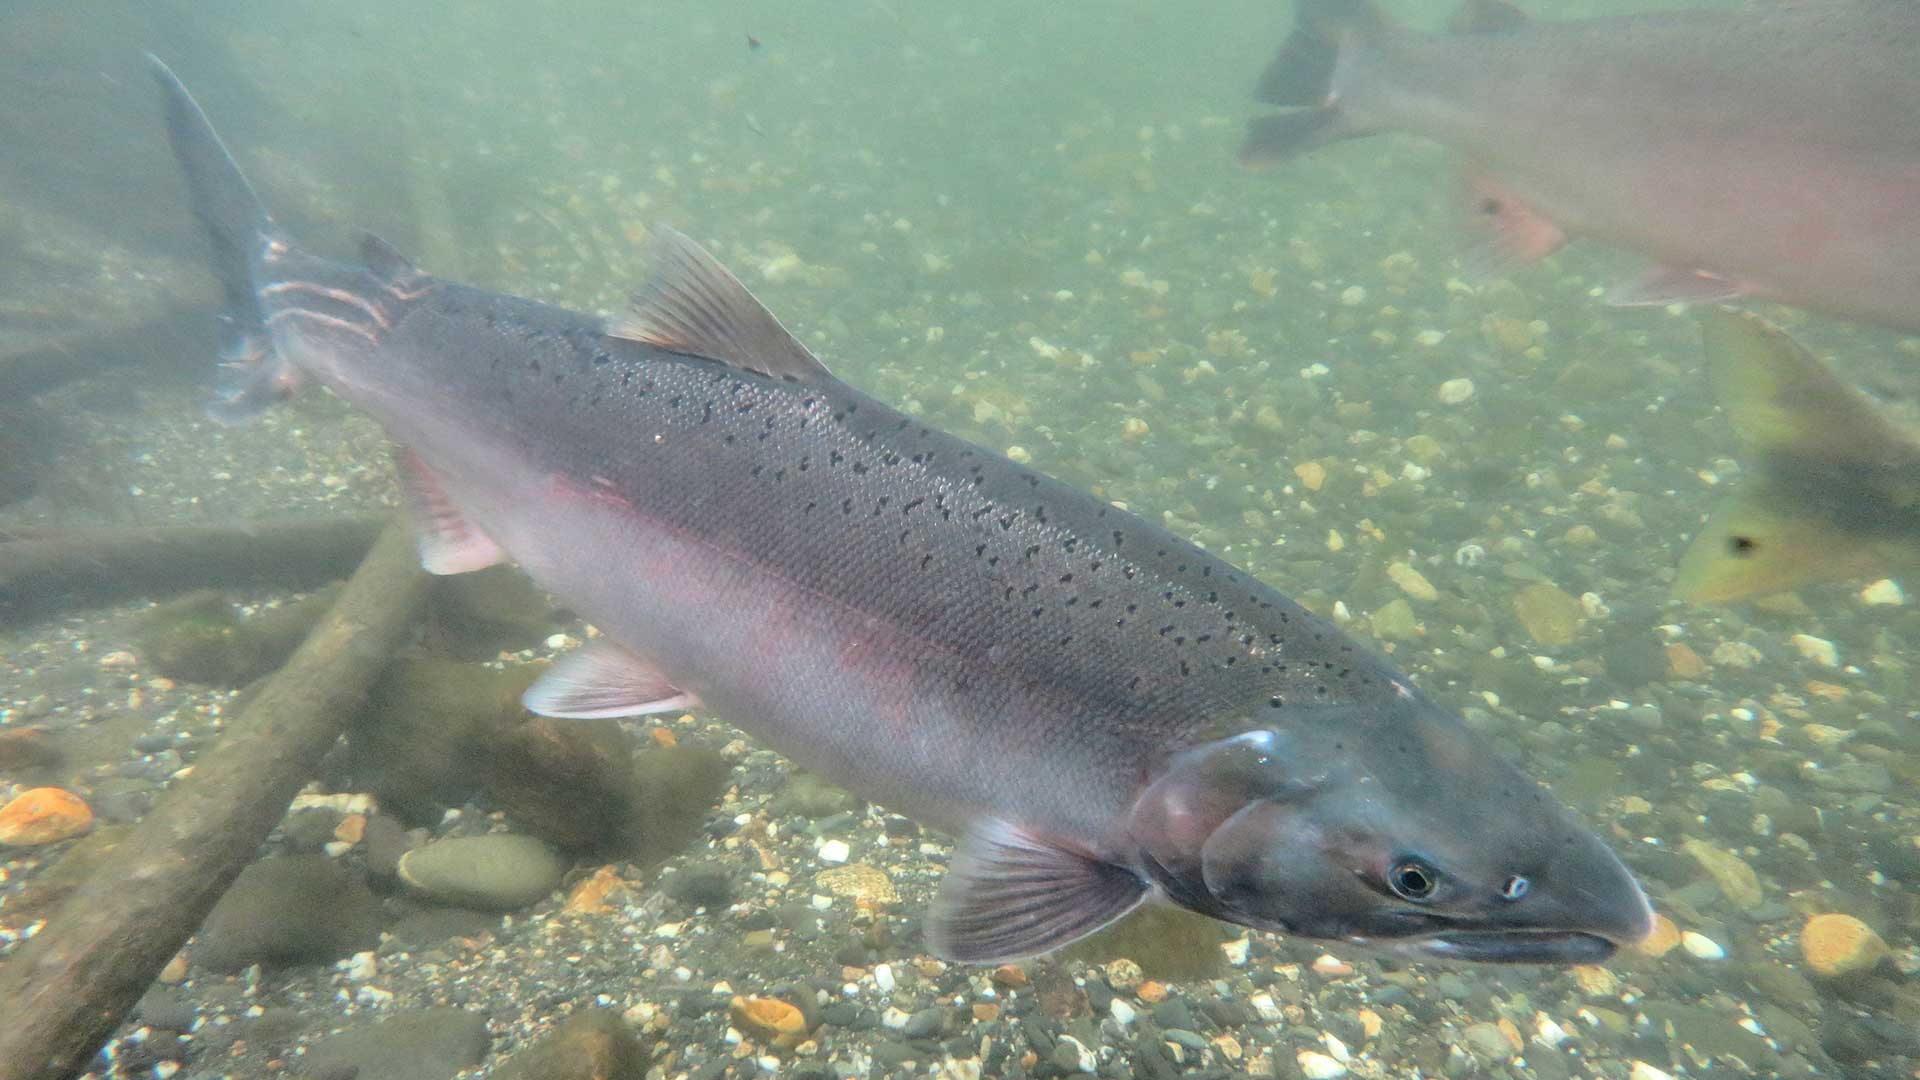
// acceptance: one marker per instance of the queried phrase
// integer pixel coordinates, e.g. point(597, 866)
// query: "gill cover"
point(1208, 812)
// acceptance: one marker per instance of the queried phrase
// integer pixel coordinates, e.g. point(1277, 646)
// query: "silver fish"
point(1766, 150)
point(1106, 713)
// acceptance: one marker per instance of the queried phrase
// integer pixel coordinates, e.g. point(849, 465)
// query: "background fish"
point(1832, 491)
point(1106, 712)
point(1767, 150)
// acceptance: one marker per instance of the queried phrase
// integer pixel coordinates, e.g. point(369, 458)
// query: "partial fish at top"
point(1105, 712)
point(1767, 150)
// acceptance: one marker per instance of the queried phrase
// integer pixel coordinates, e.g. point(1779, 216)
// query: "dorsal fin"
point(1487, 17)
point(384, 259)
point(691, 305)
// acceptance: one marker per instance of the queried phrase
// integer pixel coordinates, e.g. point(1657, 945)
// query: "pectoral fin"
point(1011, 893)
point(602, 680)
point(1663, 285)
point(1508, 231)
point(449, 543)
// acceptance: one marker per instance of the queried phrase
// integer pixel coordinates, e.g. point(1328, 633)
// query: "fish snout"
point(1592, 892)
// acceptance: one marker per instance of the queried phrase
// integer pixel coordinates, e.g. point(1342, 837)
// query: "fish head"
point(1400, 830)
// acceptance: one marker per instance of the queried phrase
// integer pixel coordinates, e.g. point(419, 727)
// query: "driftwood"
point(65, 991)
point(43, 570)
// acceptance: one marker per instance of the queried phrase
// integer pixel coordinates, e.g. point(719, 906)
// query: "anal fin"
point(1011, 893)
point(449, 543)
point(604, 680)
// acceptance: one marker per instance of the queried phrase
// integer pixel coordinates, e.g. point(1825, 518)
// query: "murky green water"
point(1025, 224)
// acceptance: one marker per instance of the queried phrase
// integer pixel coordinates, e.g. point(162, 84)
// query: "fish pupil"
point(1414, 880)
point(1515, 887)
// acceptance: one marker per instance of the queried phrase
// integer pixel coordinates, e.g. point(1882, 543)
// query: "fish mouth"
point(1556, 947)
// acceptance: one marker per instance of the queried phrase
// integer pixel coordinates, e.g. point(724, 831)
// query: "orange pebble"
point(1664, 937)
point(770, 1019)
point(1009, 977)
point(1836, 944)
point(44, 816)
point(1151, 991)
point(663, 737)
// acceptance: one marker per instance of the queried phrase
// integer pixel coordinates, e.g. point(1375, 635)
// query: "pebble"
point(1315, 1065)
point(592, 1044)
point(1819, 650)
point(361, 966)
point(44, 815)
point(287, 910)
point(1837, 945)
point(834, 851)
point(496, 872)
point(770, 1019)
point(1883, 592)
point(1122, 1012)
point(1702, 947)
point(1455, 391)
point(1412, 582)
point(426, 1044)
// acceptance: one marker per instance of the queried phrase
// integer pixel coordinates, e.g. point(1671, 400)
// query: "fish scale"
point(1105, 713)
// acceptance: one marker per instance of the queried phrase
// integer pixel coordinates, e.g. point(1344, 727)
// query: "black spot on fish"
point(1742, 546)
point(1490, 207)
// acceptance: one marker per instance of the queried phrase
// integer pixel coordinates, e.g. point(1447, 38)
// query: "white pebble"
point(883, 978)
point(1818, 650)
point(361, 966)
point(1315, 1065)
point(1644, 1071)
point(1546, 1032)
point(1430, 338)
point(1084, 1059)
point(1702, 946)
point(1236, 950)
point(1455, 391)
point(834, 851)
point(1335, 1047)
point(1884, 591)
point(164, 1069)
point(1265, 1007)
point(1018, 455)
point(1123, 1013)
point(1353, 296)
point(894, 1018)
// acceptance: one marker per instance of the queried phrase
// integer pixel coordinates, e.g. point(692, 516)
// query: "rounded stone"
point(497, 872)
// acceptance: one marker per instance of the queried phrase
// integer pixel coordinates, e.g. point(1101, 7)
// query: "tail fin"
point(1828, 495)
point(1301, 75)
point(238, 228)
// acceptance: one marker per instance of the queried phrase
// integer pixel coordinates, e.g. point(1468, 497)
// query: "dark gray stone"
point(432, 1044)
point(294, 909)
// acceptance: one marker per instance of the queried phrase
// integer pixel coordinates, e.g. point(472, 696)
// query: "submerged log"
point(65, 991)
point(43, 570)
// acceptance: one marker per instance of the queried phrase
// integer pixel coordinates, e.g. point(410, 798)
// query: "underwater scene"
point(680, 540)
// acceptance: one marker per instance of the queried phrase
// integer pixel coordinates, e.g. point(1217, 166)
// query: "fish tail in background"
point(238, 228)
point(1804, 429)
point(1302, 75)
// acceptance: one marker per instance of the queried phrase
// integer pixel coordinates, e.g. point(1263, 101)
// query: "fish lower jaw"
point(1554, 947)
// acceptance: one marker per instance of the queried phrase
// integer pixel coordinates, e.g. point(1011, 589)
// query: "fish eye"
point(1413, 879)
point(1515, 887)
